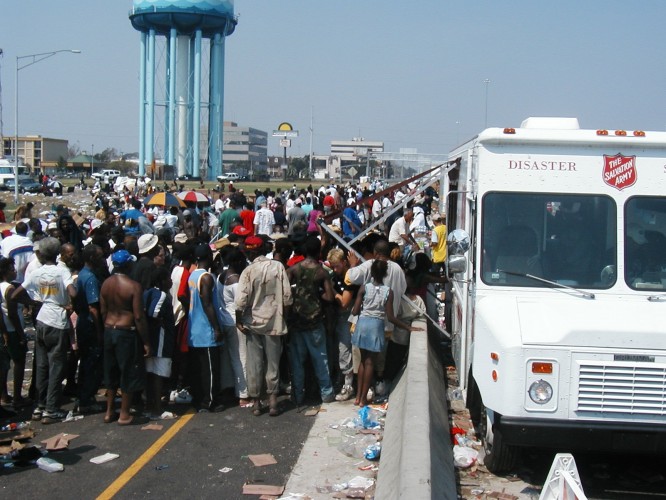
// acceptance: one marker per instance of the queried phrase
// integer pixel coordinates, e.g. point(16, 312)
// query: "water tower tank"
point(191, 34)
point(186, 16)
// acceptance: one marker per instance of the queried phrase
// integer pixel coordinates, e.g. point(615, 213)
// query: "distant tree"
point(62, 163)
point(125, 167)
point(106, 156)
point(296, 166)
point(73, 150)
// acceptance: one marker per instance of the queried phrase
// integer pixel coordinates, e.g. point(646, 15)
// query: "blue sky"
point(410, 74)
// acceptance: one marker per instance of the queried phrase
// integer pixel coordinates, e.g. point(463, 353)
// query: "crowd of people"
point(230, 301)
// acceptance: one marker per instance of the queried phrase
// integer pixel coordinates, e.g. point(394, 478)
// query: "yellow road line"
point(140, 462)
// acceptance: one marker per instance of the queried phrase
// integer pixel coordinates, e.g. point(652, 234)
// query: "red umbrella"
point(194, 196)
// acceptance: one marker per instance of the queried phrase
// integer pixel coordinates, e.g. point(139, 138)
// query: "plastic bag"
point(373, 451)
point(368, 418)
point(464, 457)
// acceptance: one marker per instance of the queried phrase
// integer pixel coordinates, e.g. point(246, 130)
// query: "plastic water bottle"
point(49, 465)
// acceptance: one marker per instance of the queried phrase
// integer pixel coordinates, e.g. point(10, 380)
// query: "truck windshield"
point(645, 243)
point(568, 239)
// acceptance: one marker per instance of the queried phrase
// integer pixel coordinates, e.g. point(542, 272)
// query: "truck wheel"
point(500, 458)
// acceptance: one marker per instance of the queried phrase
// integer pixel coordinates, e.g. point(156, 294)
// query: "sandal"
point(108, 420)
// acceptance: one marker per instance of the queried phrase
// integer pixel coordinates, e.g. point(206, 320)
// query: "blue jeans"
point(312, 341)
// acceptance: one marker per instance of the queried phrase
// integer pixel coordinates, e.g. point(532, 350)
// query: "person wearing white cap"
point(148, 250)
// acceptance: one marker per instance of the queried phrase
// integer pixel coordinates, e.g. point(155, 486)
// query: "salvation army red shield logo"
point(620, 171)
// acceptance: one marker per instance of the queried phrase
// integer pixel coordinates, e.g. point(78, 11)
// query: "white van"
point(559, 304)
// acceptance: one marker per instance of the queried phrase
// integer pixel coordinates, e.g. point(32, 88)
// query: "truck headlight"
point(540, 392)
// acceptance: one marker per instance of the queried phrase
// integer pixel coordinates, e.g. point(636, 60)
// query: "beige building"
point(37, 152)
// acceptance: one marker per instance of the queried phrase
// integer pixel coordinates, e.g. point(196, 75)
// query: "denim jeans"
point(342, 330)
point(90, 367)
point(312, 341)
point(51, 358)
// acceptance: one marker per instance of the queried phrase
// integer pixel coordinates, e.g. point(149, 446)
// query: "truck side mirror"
point(457, 244)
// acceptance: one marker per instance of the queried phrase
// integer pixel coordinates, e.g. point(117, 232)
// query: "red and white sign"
point(620, 171)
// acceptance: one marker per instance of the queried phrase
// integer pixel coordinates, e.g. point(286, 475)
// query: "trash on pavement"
point(368, 418)
point(464, 457)
point(71, 417)
point(262, 460)
point(373, 451)
point(102, 459)
point(152, 427)
point(49, 465)
point(262, 489)
point(354, 446)
point(59, 441)
point(225, 469)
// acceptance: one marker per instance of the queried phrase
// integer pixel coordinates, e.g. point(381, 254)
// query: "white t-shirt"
point(48, 285)
point(264, 220)
point(398, 228)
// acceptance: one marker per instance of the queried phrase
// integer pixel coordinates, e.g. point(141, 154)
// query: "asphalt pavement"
point(183, 459)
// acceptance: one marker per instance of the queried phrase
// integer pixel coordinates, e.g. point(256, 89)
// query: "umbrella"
point(163, 200)
point(194, 196)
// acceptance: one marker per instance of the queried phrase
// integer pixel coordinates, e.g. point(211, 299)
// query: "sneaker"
point(346, 393)
point(37, 414)
point(183, 397)
point(52, 417)
point(172, 396)
point(380, 388)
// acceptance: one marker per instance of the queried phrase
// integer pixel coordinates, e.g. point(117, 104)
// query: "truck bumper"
point(583, 435)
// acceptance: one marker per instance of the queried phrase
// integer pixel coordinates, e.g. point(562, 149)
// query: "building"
point(245, 150)
point(355, 153)
point(39, 153)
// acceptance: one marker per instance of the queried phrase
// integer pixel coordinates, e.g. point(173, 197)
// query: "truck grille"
point(620, 387)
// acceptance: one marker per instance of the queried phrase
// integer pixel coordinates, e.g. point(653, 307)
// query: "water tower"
point(182, 73)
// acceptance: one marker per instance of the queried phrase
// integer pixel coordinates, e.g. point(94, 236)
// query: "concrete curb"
point(417, 457)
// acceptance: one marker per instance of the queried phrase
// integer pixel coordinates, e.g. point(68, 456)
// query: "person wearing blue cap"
point(125, 332)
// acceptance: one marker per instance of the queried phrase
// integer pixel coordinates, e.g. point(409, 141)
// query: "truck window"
point(645, 243)
point(569, 239)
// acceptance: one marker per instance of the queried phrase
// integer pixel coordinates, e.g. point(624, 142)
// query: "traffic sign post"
point(286, 132)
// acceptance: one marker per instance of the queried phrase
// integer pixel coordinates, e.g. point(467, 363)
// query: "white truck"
point(558, 315)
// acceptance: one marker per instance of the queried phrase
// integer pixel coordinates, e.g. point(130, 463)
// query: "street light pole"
point(486, 81)
point(35, 59)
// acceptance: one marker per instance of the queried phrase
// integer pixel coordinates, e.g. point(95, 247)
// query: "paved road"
point(186, 465)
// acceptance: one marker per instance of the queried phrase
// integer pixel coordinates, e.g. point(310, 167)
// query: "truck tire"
point(499, 457)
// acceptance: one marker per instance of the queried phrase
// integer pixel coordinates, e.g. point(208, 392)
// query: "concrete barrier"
point(417, 457)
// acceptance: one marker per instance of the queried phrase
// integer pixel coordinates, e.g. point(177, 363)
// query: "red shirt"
point(329, 201)
point(247, 216)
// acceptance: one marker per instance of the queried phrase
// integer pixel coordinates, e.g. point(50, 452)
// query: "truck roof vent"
point(550, 123)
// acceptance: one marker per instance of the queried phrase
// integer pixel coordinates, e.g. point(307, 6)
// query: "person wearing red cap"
point(262, 321)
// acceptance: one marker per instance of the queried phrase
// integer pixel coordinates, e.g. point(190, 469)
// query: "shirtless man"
point(121, 306)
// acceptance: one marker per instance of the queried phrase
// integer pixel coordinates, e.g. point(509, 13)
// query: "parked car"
point(188, 177)
point(113, 175)
point(25, 186)
point(229, 176)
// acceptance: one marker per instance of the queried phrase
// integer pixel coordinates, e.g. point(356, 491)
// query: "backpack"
point(306, 308)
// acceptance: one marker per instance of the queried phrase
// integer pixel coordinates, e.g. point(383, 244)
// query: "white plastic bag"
point(464, 456)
